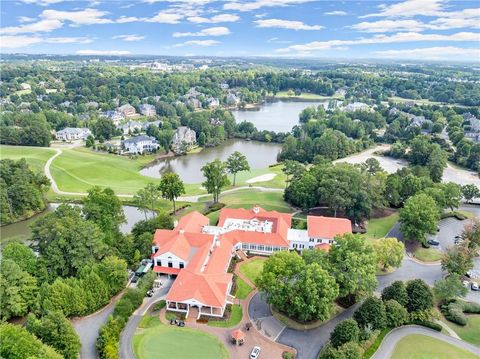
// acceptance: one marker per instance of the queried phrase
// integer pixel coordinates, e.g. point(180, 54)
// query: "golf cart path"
point(391, 339)
point(195, 198)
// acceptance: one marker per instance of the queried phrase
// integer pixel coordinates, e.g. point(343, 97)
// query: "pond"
point(21, 230)
point(278, 116)
point(259, 155)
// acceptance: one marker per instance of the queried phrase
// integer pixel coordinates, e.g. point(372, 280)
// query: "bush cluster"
point(454, 311)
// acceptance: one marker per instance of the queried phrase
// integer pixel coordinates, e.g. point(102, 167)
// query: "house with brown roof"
point(199, 254)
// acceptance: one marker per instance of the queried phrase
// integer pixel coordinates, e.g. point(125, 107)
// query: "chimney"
point(256, 209)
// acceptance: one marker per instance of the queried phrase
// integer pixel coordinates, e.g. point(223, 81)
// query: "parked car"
point(433, 242)
point(135, 279)
point(255, 353)
point(150, 293)
point(475, 287)
point(181, 323)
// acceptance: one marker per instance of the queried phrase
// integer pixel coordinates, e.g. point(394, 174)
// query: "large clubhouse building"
point(199, 254)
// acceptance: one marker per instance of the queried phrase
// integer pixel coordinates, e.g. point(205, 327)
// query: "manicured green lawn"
point(235, 318)
point(36, 157)
point(423, 347)
point(252, 269)
point(243, 289)
point(379, 227)
point(471, 332)
point(155, 340)
point(248, 198)
point(428, 254)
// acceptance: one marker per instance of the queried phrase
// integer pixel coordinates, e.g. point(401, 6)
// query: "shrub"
point(420, 296)
point(350, 350)
point(159, 305)
point(454, 310)
point(469, 307)
point(287, 355)
point(396, 291)
point(396, 314)
point(428, 324)
point(372, 312)
point(344, 332)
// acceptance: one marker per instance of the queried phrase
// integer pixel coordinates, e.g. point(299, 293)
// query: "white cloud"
point(467, 18)
point(166, 18)
point(276, 40)
point(77, 18)
point(18, 41)
point(382, 39)
point(131, 37)
point(433, 53)
point(214, 19)
point(41, 2)
point(103, 52)
point(389, 26)
point(46, 25)
point(410, 8)
point(335, 13)
point(204, 43)
point(24, 19)
point(258, 4)
point(286, 24)
point(127, 19)
point(212, 31)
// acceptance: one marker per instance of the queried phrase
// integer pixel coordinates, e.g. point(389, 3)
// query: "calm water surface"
point(278, 116)
point(259, 155)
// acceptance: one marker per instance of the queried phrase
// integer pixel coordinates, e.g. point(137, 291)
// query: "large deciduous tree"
point(420, 296)
point(305, 292)
point(344, 332)
point(215, 173)
point(470, 192)
point(371, 313)
point(353, 265)
point(418, 217)
point(389, 251)
point(449, 288)
point(396, 291)
point(171, 187)
point(237, 162)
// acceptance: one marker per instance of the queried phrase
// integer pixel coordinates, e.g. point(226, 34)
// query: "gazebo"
point(238, 337)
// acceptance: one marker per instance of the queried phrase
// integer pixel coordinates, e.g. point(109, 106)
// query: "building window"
point(244, 246)
point(253, 247)
point(318, 240)
point(312, 239)
point(268, 248)
point(170, 265)
point(275, 249)
point(295, 245)
point(181, 265)
point(261, 247)
point(159, 263)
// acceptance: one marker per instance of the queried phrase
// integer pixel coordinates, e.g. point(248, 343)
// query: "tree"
point(453, 194)
point(371, 313)
point(67, 242)
point(18, 343)
point(418, 217)
point(389, 251)
point(470, 192)
point(102, 207)
point(396, 314)
point(18, 290)
point(22, 255)
point(458, 259)
point(396, 291)
point(353, 265)
point(215, 173)
point(57, 331)
point(304, 292)
point(344, 332)
point(235, 163)
point(449, 288)
point(171, 187)
point(437, 161)
point(373, 166)
point(161, 221)
point(420, 296)
point(104, 128)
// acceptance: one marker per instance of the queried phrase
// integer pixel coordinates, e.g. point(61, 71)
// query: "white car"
point(255, 353)
point(475, 287)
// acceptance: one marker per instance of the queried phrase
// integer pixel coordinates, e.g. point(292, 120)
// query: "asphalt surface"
point(126, 338)
point(391, 339)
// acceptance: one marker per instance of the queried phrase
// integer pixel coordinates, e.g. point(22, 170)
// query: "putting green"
point(418, 346)
point(159, 341)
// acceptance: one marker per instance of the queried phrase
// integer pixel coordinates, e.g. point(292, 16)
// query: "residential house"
point(199, 254)
point(25, 86)
point(127, 110)
point(145, 125)
point(147, 109)
point(213, 102)
point(140, 144)
point(232, 99)
point(215, 122)
point(224, 86)
point(115, 116)
point(92, 104)
point(472, 130)
point(194, 103)
point(70, 133)
point(130, 127)
point(356, 106)
point(183, 139)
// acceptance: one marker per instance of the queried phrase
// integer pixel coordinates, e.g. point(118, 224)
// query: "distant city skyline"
point(399, 30)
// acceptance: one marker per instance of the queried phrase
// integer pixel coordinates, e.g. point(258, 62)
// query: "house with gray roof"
point(73, 133)
point(140, 144)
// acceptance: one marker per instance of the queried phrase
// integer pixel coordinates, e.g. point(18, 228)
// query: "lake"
point(22, 229)
point(278, 116)
point(259, 155)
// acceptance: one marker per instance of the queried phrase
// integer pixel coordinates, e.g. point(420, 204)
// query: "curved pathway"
point(391, 339)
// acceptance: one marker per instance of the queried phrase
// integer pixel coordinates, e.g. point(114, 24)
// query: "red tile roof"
point(327, 227)
point(166, 270)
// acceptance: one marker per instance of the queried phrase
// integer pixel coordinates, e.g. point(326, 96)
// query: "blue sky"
point(409, 29)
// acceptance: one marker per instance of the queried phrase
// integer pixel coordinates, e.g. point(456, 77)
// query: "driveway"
point(126, 338)
point(87, 329)
point(391, 339)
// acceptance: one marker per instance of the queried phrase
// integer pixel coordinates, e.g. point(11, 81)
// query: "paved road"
point(126, 338)
point(391, 339)
point(87, 329)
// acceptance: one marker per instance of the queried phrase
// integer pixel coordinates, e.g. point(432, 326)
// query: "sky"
point(409, 29)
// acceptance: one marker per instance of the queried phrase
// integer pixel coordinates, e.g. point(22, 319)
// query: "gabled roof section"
point(192, 222)
point(327, 227)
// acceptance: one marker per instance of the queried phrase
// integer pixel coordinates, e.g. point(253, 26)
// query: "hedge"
point(427, 324)
point(454, 311)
